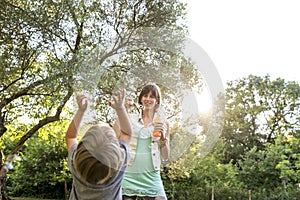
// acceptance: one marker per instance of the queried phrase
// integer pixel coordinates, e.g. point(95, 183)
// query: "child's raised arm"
point(125, 125)
point(72, 132)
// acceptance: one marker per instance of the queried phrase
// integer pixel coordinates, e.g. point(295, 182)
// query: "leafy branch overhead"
point(51, 49)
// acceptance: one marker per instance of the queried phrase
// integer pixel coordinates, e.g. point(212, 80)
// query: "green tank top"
point(141, 179)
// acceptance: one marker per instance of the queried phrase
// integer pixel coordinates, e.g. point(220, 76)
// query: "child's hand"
point(82, 102)
point(118, 101)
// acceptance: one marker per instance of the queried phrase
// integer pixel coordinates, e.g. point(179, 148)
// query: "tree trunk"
point(66, 189)
point(3, 175)
point(3, 129)
point(249, 192)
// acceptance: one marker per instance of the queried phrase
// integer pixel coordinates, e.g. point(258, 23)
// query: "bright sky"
point(248, 37)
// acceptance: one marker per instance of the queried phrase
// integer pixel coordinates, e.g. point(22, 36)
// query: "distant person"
point(98, 161)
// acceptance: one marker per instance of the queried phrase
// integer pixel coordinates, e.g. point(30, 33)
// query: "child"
point(99, 160)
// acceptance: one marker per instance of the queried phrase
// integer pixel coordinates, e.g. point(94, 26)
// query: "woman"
point(142, 177)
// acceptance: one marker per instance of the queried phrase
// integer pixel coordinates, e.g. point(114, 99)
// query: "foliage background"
point(53, 49)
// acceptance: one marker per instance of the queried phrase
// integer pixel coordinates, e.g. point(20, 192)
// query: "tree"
point(46, 46)
point(274, 171)
point(261, 134)
point(257, 153)
point(258, 110)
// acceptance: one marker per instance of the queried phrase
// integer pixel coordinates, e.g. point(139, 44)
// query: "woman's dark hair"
point(155, 91)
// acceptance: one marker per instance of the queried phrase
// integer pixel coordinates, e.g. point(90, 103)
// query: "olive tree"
point(49, 49)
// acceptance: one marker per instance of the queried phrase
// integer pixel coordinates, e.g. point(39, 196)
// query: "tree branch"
point(42, 123)
point(25, 90)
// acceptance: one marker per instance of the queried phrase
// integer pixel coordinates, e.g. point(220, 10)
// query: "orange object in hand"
point(157, 133)
point(158, 120)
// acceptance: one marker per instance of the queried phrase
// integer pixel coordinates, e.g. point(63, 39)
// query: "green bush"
point(42, 170)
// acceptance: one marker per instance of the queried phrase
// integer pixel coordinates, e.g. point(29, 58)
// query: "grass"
point(22, 198)
point(25, 198)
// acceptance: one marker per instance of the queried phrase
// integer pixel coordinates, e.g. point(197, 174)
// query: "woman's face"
point(148, 101)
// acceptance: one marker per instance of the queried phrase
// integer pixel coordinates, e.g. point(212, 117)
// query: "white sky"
point(242, 37)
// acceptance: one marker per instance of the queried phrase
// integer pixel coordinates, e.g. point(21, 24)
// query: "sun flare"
point(204, 101)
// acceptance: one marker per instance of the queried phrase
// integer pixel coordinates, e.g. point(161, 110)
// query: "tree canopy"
point(51, 49)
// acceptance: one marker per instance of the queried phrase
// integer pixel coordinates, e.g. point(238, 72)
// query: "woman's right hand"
point(159, 126)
